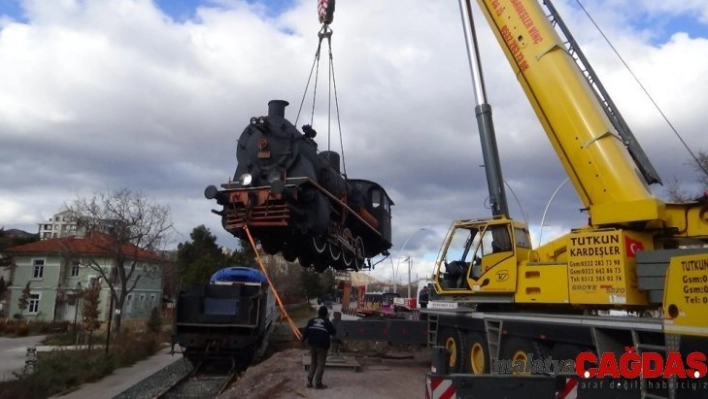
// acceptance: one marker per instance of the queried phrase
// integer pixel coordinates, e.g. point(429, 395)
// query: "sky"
point(152, 96)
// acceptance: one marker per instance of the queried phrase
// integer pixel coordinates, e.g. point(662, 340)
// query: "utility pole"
point(410, 263)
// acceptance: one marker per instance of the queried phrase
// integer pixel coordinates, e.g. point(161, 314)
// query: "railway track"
point(201, 382)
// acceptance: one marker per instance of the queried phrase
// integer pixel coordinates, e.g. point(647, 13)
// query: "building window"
point(142, 297)
point(33, 306)
point(38, 269)
point(75, 268)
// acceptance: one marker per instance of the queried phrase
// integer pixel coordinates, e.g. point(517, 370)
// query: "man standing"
point(424, 297)
point(317, 332)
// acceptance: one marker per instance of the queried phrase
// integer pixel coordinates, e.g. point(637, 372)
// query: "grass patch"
point(63, 370)
point(60, 339)
point(23, 328)
point(302, 312)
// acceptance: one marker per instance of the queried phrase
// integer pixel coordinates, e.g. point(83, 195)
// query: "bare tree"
point(283, 275)
point(132, 228)
point(674, 189)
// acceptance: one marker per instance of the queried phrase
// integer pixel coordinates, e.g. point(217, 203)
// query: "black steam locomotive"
point(295, 200)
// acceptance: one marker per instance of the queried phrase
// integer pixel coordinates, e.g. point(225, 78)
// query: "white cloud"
point(113, 94)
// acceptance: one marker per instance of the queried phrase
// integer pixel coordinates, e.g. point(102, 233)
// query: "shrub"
point(154, 323)
point(22, 330)
point(61, 370)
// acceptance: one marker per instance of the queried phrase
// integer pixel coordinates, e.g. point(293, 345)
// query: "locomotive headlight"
point(246, 179)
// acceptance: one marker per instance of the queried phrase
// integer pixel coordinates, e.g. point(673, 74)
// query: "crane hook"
point(325, 11)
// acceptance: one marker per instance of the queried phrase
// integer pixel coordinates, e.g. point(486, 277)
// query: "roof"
point(95, 244)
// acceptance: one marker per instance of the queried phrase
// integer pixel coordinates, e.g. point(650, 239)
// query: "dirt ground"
point(283, 376)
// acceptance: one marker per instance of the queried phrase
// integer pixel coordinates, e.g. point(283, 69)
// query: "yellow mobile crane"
point(501, 299)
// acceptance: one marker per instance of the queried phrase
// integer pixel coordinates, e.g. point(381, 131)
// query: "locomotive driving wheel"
point(305, 257)
point(347, 256)
point(289, 252)
point(270, 246)
point(359, 254)
point(319, 244)
point(334, 251)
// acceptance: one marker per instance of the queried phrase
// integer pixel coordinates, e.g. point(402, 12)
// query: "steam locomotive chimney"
point(277, 108)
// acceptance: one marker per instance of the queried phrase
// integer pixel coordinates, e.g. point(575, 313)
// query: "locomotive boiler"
point(295, 200)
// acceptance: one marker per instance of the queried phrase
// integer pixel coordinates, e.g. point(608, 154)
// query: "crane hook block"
point(325, 11)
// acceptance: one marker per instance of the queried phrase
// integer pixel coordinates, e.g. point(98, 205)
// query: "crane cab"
point(481, 256)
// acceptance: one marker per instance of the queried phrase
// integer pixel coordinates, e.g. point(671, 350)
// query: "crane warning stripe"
point(440, 388)
point(570, 391)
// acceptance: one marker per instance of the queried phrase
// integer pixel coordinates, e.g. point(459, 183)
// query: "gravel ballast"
point(158, 382)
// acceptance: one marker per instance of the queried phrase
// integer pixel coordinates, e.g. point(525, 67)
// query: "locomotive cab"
point(377, 203)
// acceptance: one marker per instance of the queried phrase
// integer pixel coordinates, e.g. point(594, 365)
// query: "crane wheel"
point(451, 340)
point(477, 353)
point(518, 350)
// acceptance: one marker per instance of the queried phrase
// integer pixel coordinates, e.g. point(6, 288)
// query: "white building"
point(62, 224)
point(70, 224)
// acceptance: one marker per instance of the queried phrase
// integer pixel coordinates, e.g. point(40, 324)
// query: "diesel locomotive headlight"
point(246, 179)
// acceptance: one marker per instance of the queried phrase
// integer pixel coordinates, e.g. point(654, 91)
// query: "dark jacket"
point(424, 295)
point(317, 332)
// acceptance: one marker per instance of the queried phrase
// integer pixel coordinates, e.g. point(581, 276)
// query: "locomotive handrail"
point(356, 214)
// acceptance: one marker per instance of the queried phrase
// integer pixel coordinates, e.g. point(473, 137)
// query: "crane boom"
point(605, 176)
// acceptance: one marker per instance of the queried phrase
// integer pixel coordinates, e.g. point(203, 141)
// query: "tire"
point(452, 340)
point(477, 353)
point(518, 349)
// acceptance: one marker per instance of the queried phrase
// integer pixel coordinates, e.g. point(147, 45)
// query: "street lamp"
point(543, 218)
point(398, 258)
point(77, 296)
